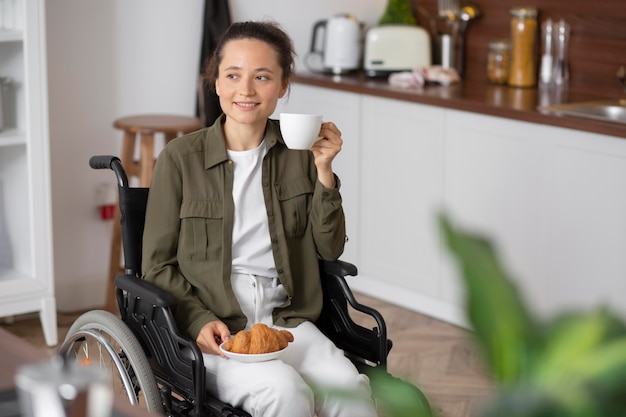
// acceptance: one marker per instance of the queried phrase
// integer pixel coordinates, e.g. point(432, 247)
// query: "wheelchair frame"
point(163, 370)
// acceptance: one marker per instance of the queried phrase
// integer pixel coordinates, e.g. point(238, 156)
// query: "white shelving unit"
point(26, 261)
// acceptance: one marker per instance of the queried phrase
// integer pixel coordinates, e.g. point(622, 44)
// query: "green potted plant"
point(398, 12)
point(571, 366)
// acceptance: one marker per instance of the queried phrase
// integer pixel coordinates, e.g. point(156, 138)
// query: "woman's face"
point(249, 81)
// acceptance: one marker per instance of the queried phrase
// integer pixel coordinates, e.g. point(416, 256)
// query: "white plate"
point(244, 357)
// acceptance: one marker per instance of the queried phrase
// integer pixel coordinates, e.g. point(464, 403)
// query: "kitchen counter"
point(501, 101)
point(547, 191)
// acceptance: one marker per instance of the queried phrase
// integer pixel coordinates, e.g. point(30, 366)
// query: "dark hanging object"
point(216, 21)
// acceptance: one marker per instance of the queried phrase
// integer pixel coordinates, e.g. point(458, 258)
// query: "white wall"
point(108, 59)
point(298, 17)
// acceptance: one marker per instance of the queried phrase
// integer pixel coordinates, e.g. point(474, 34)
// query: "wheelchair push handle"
point(102, 161)
point(113, 163)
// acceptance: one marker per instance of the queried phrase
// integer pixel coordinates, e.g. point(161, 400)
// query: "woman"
point(234, 227)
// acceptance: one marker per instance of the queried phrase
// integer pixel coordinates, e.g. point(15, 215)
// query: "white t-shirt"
point(252, 247)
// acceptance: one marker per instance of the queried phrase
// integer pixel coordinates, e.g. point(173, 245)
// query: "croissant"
point(241, 342)
point(282, 340)
point(260, 339)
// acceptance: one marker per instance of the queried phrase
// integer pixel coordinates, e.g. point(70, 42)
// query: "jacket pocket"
point(294, 198)
point(201, 228)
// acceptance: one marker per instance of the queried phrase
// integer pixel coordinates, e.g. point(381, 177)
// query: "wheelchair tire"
point(103, 335)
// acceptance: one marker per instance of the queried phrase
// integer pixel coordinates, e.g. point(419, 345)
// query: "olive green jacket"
point(188, 231)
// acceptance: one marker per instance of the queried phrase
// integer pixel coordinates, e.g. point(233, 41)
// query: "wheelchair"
point(154, 365)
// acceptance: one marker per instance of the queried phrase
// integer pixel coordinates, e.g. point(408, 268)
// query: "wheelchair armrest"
point(368, 344)
point(147, 310)
point(145, 290)
point(338, 268)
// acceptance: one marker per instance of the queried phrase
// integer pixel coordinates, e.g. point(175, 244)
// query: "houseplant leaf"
point(574, 343)
point(500, 320)
point(571, 366)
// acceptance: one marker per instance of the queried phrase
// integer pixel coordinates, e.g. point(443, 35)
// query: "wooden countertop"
point(501, 101)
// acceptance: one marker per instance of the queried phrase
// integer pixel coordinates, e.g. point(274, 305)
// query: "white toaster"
point(394, 48)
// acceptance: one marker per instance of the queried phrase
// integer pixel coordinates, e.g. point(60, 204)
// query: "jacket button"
point(280, 271)
point(274, 241)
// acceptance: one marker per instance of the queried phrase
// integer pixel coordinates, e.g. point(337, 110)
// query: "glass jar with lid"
point(498, 61)
point(523, 70)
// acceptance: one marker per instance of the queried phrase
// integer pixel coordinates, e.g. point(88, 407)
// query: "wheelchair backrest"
point(132, 206)
point(175, 360)
point(133, 215)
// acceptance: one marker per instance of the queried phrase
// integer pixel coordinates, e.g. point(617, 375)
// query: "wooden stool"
point(146, 127)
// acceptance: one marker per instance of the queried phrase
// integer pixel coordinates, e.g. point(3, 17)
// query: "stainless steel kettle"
point(341, 44)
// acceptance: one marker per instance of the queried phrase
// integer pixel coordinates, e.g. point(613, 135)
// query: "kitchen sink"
point(608, 110)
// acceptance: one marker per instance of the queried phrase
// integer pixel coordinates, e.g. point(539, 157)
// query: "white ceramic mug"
point(300, 131)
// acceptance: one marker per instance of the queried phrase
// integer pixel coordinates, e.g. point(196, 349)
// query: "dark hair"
point(268, 32)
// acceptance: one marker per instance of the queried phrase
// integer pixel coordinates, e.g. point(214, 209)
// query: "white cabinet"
point(496, 173)
point(26, 270)
point(401, 179)
point(552, 200)
point(403, 153)
point(583, 257)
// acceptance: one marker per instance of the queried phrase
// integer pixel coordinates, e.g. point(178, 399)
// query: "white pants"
point(285, 387)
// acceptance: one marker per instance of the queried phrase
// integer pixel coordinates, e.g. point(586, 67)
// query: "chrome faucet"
point(621, 76)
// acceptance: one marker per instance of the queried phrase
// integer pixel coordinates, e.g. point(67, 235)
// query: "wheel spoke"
point(98, 338)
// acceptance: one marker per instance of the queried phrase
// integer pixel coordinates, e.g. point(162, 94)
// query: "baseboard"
point(410, 300)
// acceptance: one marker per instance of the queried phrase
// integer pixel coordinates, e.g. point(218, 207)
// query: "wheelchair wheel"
point(99, 338)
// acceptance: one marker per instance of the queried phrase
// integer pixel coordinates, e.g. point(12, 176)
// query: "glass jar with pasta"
point(523, 69)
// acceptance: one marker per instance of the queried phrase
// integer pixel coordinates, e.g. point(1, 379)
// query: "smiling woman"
point(235, 225)
point(249, 84)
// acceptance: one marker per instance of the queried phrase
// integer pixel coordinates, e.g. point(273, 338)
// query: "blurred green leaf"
point(572, 366)
point(573, 345)
point(394, 397)
point(521, 401)
point(398, 398)
point(500, 320)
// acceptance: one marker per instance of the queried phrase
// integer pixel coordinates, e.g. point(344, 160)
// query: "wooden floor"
point(437, 357)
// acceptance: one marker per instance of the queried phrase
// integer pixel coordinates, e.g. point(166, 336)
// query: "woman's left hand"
point(325, 150)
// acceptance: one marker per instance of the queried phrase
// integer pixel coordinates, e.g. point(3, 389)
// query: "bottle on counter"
point(547, 59)
point(523, 70)
point(498, 61)
point(561, 67)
